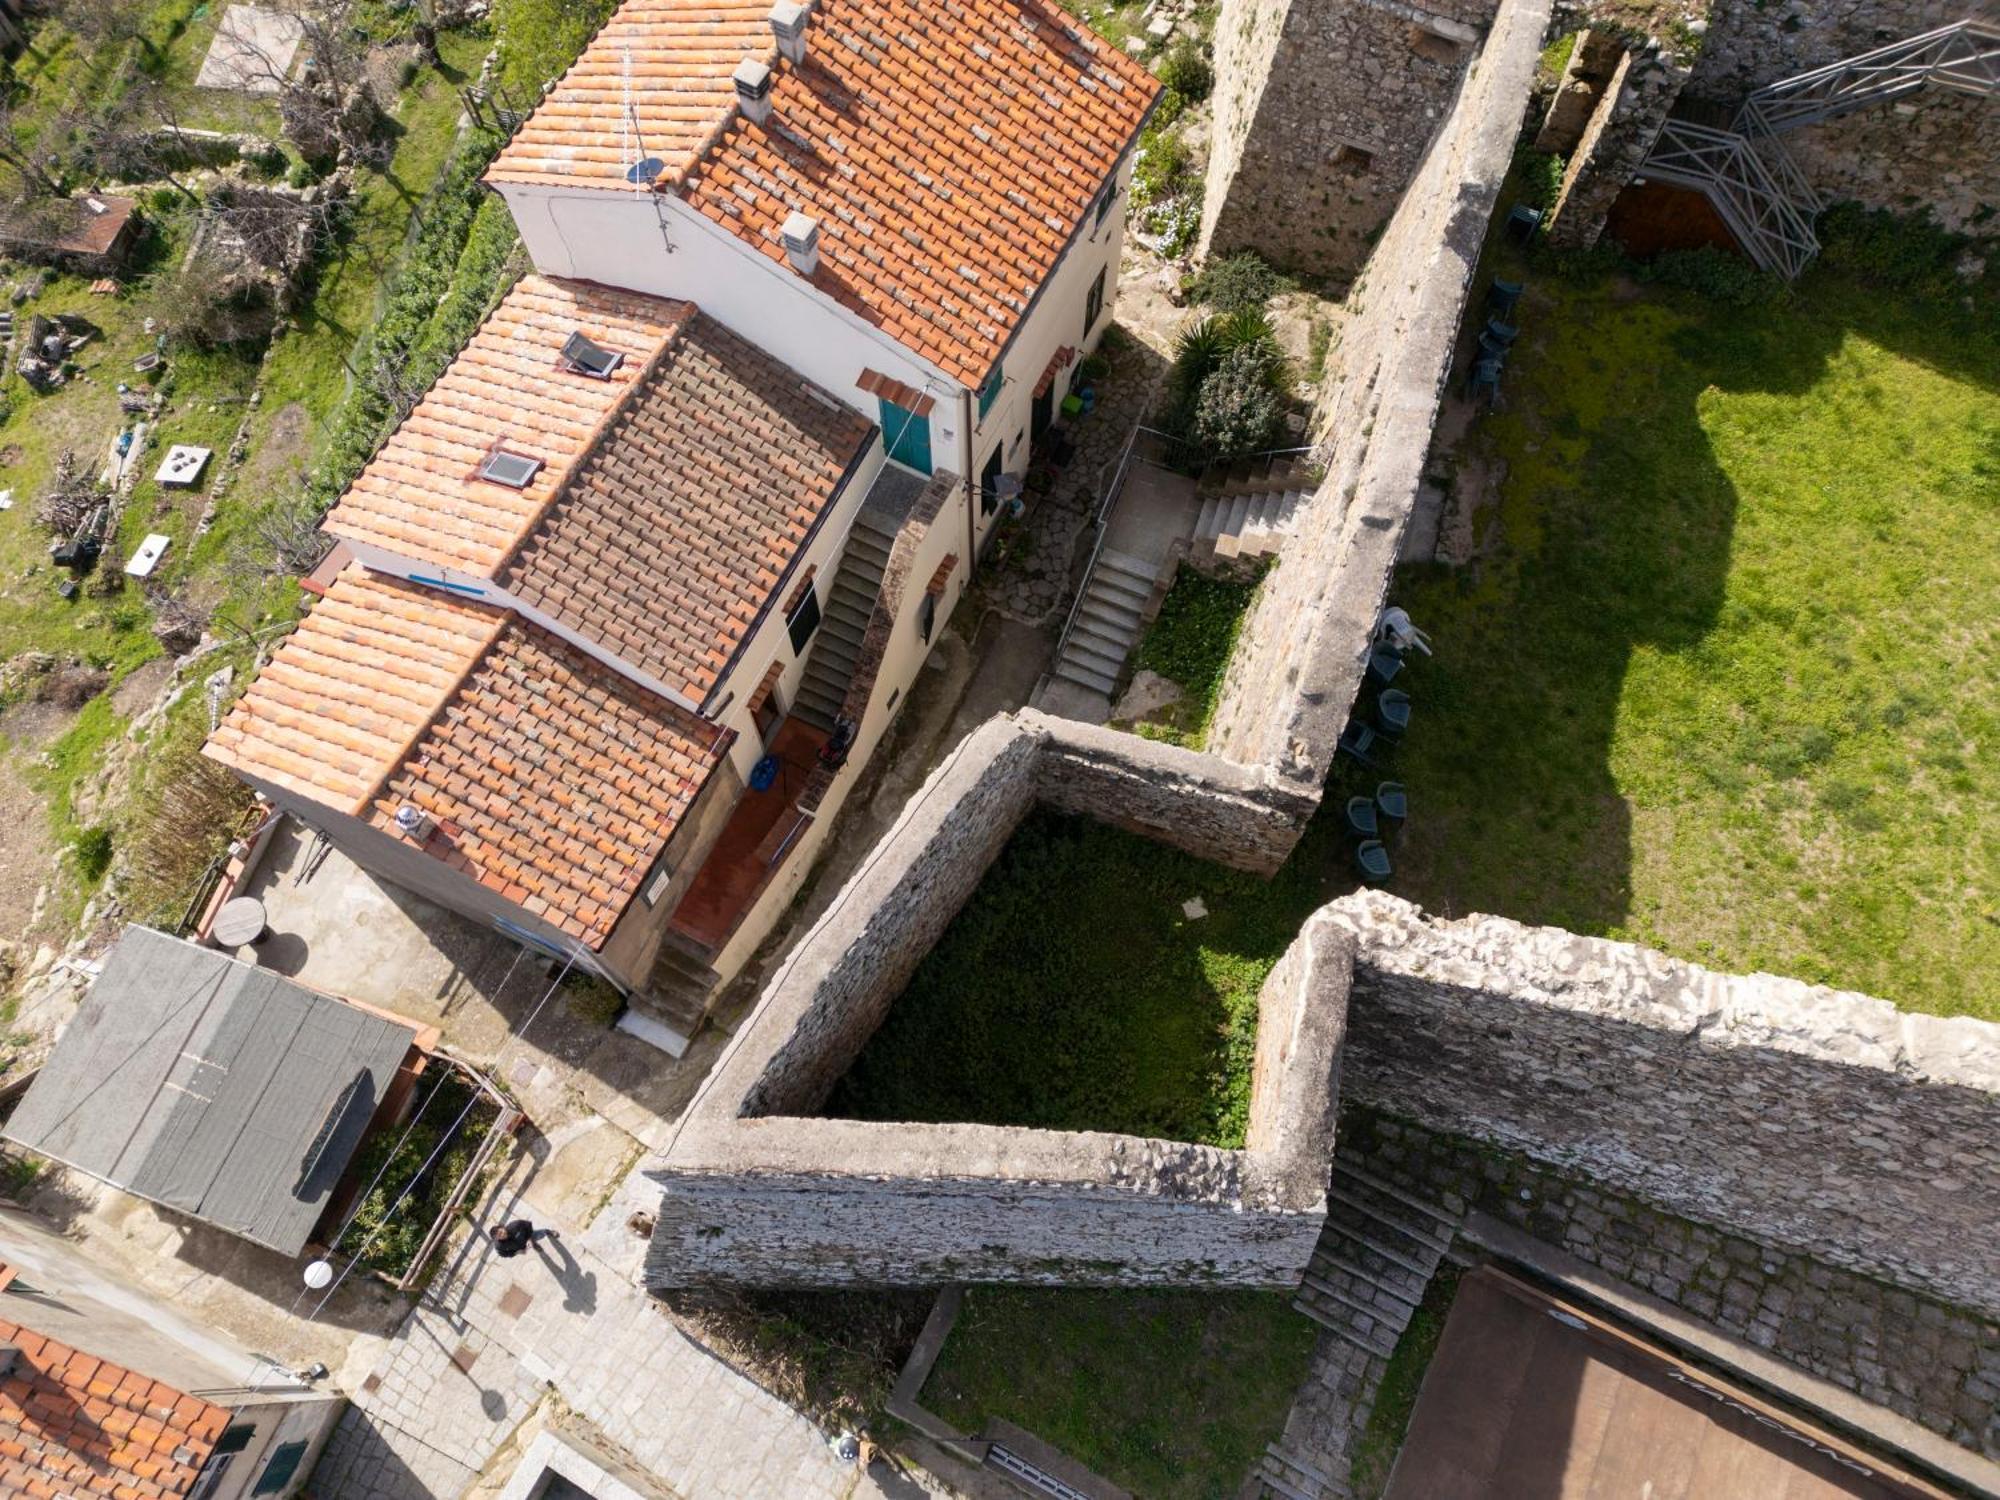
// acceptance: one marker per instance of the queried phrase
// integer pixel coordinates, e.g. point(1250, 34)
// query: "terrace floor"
point(737, 868)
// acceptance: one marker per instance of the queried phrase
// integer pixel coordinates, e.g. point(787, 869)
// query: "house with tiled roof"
point(619, 609)
point(915, 203)
point(106, 1392)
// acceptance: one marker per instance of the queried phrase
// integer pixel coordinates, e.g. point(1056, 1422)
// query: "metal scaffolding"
point(1963, 57)
point(1774, 230)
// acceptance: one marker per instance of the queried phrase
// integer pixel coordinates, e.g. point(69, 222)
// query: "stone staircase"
point(1247, 509)
point(1108, 621)
point(1375, 1257)
point(843, 621)
point(678, 987)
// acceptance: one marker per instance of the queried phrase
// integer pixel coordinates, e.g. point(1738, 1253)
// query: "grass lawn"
point(1071, 993)
point(1172, 1395)
point(1726, 677)
point(1189, 642)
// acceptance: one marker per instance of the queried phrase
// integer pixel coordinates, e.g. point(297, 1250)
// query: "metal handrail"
point(1111, 493)
point(1964, 56)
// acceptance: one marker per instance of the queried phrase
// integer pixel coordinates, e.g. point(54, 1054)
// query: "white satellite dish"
point(319, 1275)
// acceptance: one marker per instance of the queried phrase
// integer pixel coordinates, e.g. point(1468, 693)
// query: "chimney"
point(788, 24)
point(801, 237)
point(753, 90)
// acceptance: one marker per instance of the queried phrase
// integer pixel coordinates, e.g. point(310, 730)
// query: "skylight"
point(515, 470)
point(587, 357)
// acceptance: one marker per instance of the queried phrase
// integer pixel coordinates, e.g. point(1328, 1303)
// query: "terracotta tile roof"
point(682, 55)
point(72, 1424)
point(420, 495)
point(341, 701)
point(683, 520)
point(948, 149)
point(554, 780)
point(550, 777)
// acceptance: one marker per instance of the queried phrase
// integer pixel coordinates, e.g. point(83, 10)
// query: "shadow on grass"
point(1547, 714)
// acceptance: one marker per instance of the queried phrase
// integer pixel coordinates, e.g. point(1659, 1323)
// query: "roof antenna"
point(645, 168)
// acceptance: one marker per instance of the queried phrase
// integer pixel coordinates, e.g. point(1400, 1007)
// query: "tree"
point(323, 93)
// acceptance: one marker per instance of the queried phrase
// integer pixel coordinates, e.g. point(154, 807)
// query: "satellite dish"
point(646, 170)
point(319, 1275)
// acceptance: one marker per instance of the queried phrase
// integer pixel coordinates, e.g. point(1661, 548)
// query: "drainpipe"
point(965, 467)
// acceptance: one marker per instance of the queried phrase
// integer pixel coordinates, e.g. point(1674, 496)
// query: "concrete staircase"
point(1247, 509)
point(1108, 621)
point(678, 988)
point(1374, 1259)
point(843, 621)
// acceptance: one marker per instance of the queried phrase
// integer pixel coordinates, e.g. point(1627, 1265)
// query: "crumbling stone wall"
point(1304, 646)
point(1645, 82)
point(1791, 1115)
point(1324, 110)
point(1934, 150)
point(755, 1192)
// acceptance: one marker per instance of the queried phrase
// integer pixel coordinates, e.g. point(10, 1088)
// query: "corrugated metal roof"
point(213, 1087)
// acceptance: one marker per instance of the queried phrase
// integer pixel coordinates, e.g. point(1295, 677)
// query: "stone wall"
point(1634, 104)
point(1795, 1116)
point(1300, 659)
point(1747, 45)
point(756, 1192)
point(1325, 111)
point(1934, 150)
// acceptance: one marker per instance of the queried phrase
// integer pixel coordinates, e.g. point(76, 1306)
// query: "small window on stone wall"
point(1431, 47)
point(1353, 160)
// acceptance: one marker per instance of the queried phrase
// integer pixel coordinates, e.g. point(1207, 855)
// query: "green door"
point(907, 435)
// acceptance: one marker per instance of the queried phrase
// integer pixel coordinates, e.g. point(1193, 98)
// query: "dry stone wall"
point(756, 1192)
point(1792, 1115)
point(1300, 659)
point(1325, 109)
point(1644, 85)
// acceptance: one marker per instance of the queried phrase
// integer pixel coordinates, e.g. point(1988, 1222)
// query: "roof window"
point(515, 470)
point(581, 355)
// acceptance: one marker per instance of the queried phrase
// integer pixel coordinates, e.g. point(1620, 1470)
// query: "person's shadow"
point(579, 1286)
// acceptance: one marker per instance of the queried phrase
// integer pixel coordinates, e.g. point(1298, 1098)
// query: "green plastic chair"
point(1372, 860)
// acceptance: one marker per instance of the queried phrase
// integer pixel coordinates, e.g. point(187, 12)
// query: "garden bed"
point(1189, 643)
point(1171, 1394)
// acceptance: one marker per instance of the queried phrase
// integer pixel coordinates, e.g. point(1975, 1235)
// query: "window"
point(926, 618)
point(235, 1438)
point(1353, 160)
point(515, 470)
point(990, 392)
point(802, 619)
point(1106, 198)
point(1093, 305)
point(279, 1471)
point(585, 356)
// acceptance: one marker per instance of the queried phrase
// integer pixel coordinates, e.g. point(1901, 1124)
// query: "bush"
point(1717, 275)
point(1899, 252)
point(391, 1225)
point(1539, 176)
point(1234, 282)
point(591, 1000)
point(1163, 160)
point(1185, 70)
point(1198, 351)
point(1239, 410)
point(91, 848)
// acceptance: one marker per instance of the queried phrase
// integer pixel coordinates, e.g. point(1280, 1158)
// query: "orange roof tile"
point(421, 496)
point(335, 709)
point(678, 86)
point(551, 778)
point(554, 780)
point(948, 149)
point(676, 530)
point(73, 1424)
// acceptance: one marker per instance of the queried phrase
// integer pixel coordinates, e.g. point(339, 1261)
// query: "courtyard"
point(1718, 673)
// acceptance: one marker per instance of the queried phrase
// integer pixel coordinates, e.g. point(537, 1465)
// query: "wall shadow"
point(1606, 531)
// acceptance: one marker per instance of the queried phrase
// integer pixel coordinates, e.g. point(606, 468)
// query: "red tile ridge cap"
point(560, 489)
point(500, 617)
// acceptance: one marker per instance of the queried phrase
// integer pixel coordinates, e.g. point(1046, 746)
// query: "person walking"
point(511, 1238)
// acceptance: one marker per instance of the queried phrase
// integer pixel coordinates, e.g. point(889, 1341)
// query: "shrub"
point(1900, 252)
point(1239, 410)
point(1234, 282)
point(1197, 352)
point(1185, 70)
point(1538, 175)
point(91, 848)
point(591, 1000)
point(1163, 160)
point(1717, 275)
point(390, 1224)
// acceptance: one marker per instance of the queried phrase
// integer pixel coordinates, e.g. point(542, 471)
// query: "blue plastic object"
point(764, 775)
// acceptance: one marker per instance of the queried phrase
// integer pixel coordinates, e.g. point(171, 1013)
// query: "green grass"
point(1172, 1395)
point(1190, 643)
point(1396, 1397)
point(1072, 994)
point(1726, 678)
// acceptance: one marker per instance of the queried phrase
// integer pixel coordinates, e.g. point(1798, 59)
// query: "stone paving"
point(1935, 1364)
point(494, 1338)
point(1034, 584)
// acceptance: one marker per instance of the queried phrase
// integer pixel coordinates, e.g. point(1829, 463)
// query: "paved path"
point(493, 1336)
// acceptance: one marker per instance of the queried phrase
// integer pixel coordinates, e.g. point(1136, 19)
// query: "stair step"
point(1084, 676)
point(1091, 656)
point(1390, 1190)
point(1322, 1262)
point(1381, 1216)
point(1285, 1489)
point(1110, 615)
point(1334, 1229)
point(1341, 1325)
point(1395, 1318)
point(1289, 1460)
